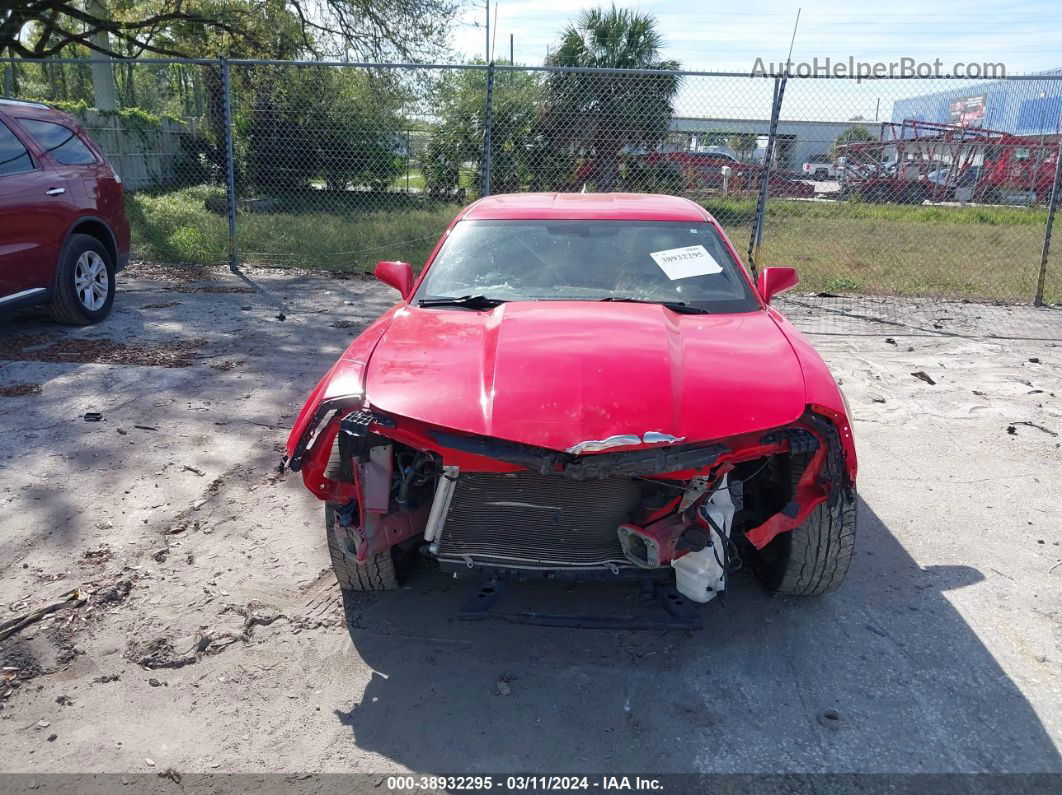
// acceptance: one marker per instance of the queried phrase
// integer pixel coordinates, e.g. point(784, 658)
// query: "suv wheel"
point(84, 283)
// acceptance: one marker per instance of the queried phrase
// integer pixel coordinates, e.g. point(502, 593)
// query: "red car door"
point(35, 212)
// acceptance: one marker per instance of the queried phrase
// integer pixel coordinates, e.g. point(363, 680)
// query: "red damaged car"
point(583, 385)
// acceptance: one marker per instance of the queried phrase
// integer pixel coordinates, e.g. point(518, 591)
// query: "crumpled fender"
point(821, 392)
point(345, 378)
point(810, 493)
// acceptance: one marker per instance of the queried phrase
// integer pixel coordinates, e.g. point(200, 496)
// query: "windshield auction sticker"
point(682, 263)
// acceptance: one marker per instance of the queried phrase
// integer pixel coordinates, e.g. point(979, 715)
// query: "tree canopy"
point(854, 134)
point(368, 29)
point(601, 115)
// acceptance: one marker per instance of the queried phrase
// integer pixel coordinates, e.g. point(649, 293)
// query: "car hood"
point(556, 374)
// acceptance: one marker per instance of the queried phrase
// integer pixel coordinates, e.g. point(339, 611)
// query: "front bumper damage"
point(505, 509)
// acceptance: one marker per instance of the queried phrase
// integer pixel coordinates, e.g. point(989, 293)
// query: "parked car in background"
point(820, 169)
point(583, 386)
point(63, 230)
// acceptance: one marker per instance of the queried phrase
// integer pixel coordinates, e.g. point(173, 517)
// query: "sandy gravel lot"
point(213, 638)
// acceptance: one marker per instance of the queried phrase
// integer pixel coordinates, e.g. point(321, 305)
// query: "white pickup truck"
point(820, 170)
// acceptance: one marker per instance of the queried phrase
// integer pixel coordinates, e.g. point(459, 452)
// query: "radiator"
point(538, 521)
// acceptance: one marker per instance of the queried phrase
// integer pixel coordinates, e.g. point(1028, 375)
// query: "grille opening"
point(532, 520)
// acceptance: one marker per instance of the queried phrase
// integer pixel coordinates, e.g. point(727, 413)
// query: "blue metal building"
point(1027, 107)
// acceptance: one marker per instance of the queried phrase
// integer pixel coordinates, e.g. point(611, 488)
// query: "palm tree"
point(600, 115)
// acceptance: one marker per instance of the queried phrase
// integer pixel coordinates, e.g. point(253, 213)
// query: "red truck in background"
point(915, 161)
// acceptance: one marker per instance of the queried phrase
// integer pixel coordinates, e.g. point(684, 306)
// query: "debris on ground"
point(112, 593)
point(193, 470)
point(171, 774)
point(162, 305)
point(170, 273)
point(20, 390)
point(160, 653)
point(18, 664)
point(188, 288)
point(1038, 427)
point(74, 598)
point(93, 416)
point(830, 719)
point(74, 350)
point(922, 376)
point(252, 617)
point(99, 555)
point(282, 317)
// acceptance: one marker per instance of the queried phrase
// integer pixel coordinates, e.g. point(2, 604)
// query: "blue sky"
point(1025, 36)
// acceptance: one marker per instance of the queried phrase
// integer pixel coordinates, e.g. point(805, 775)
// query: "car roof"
point(585, 206)
point(25, 109)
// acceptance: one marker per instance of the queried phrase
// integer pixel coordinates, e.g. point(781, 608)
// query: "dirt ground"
point(208, 634)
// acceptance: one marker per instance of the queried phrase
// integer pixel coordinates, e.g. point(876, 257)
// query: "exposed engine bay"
point(687, 513)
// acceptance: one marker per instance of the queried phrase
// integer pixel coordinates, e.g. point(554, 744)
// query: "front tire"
point(813, 558)
point(378, 573)
point(84, 282)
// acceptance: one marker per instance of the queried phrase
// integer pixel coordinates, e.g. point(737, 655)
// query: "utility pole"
point(102, 73)
point(10, 89)
point(511, 61)
point(486, 45)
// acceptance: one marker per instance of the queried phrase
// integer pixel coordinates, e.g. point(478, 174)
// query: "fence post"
point(230, 165)
point(768, 160)
point(485, 188)
point(1038, 299)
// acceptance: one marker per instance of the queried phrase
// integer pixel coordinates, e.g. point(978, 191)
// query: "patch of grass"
point(742, 210)
point(840, 284)
point(307, 229)
point(988, 253)
point(413, 180)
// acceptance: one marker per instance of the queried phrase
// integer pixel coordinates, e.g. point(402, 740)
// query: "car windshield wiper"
point(465, 301)
point(680, 307)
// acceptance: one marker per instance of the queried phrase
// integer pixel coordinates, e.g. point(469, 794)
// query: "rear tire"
point(813, 558)
point(84, 282)
point(378, 573)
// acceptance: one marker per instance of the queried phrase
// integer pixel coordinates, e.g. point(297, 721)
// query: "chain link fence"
point(933, 189)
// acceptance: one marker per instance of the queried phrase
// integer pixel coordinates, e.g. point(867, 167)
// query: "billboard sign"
point(967, 111)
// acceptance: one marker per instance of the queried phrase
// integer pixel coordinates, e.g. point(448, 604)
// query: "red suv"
point(63, 230)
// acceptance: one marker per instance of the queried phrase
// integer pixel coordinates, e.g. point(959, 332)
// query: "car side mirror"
point(773, 281)
point(396, 274)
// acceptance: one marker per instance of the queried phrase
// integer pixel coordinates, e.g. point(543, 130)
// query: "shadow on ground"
point(916, 689)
